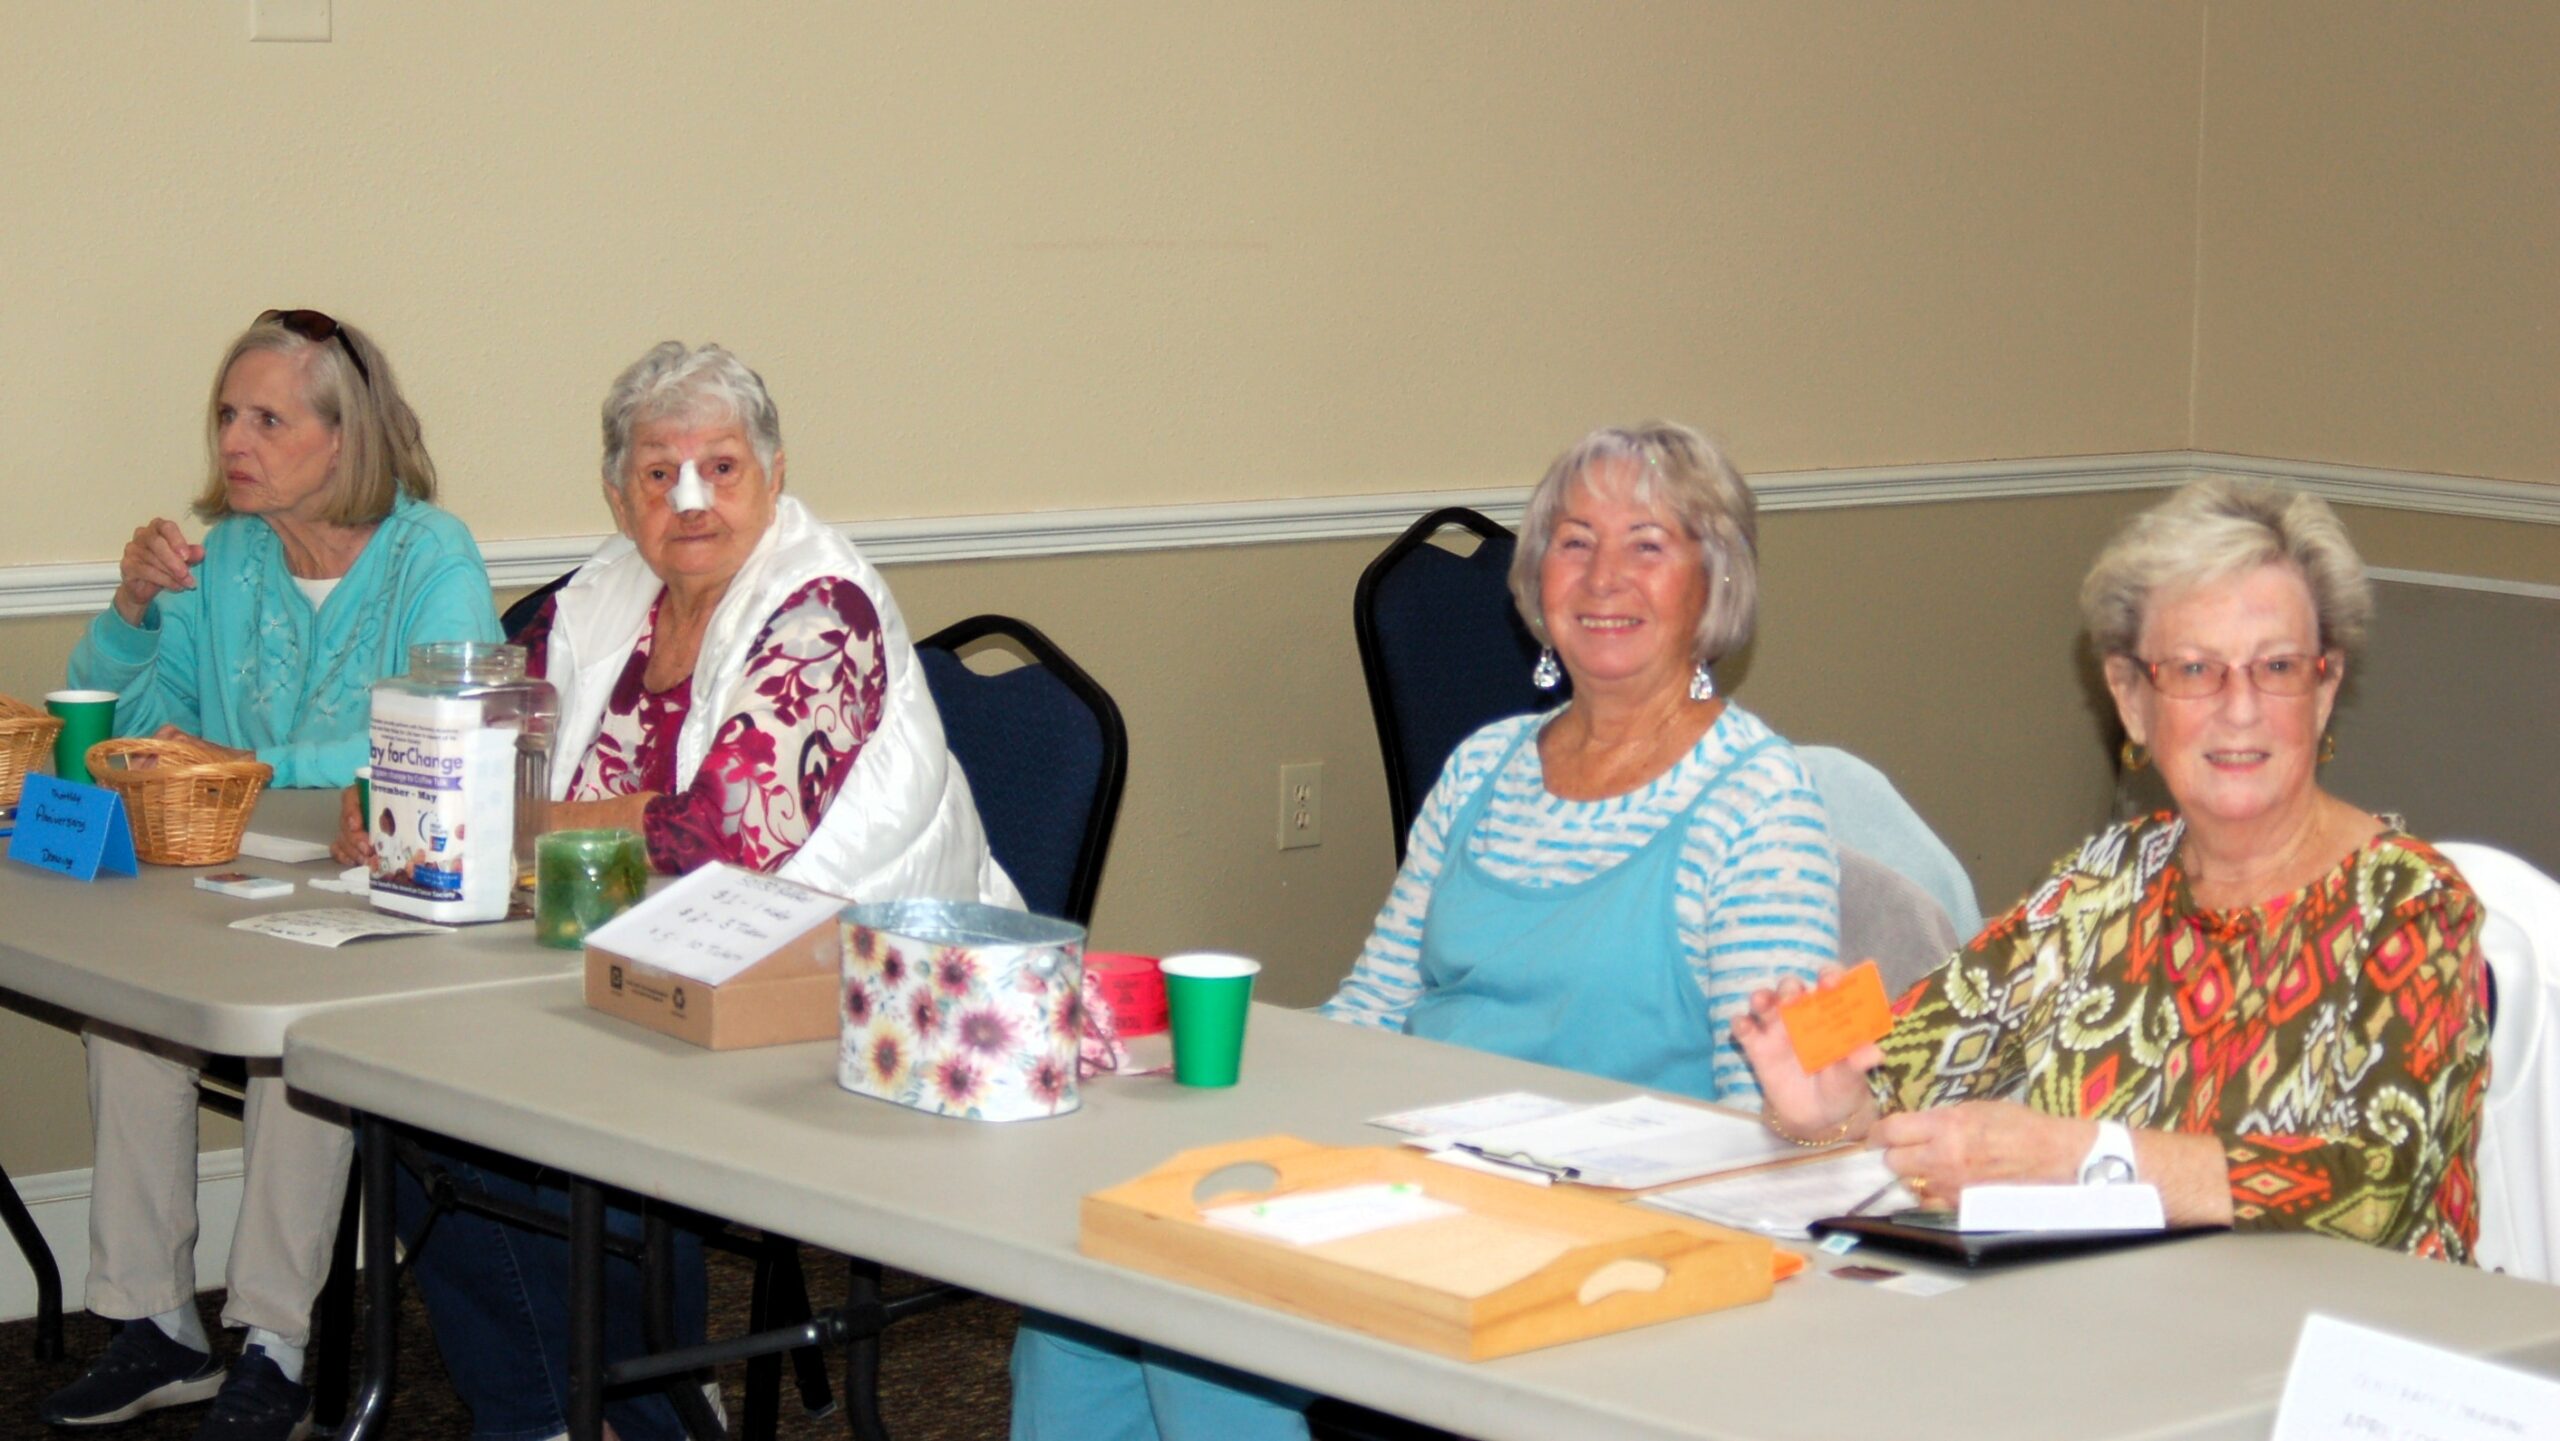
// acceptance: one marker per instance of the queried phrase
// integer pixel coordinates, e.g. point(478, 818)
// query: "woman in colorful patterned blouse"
point(2268, 1002)
point(737, 685)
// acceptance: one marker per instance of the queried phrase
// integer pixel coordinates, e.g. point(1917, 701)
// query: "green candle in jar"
point(584, 879)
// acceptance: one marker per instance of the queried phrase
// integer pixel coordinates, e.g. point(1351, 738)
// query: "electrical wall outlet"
point(1302, 805)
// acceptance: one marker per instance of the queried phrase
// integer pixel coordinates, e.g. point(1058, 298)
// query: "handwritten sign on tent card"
point(72, 829)
point(714, 923)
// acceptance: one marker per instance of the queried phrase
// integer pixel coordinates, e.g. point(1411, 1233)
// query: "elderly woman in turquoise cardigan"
point(325, 561)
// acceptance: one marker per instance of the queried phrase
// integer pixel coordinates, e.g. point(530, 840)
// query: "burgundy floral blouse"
point(816, 677)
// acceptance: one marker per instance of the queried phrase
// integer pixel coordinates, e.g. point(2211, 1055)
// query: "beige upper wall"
point(999, 257)
point(2380, 197)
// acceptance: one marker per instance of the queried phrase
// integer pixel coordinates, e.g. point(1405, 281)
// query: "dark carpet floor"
point(942, 1374)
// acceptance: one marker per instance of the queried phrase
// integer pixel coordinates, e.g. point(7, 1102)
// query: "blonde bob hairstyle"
point(698, 382)
point(1680, 474)
point(381, 452)
point(2212, 530)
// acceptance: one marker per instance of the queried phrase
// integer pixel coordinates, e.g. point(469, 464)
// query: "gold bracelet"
point(1769, 1119)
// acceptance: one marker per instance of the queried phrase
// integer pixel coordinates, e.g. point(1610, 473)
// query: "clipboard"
point(1976, 1250)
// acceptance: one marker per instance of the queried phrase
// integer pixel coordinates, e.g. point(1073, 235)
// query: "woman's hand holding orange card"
point(1829, 1021)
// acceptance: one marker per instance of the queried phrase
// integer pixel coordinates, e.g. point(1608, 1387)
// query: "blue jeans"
point(1073, 1382)
point(498, 1300)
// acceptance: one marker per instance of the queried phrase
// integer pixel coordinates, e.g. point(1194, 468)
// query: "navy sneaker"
point(141, 1370)
point(258, 1404)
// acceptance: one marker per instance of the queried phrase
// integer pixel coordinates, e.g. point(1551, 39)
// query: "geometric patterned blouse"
point(2336, 1039)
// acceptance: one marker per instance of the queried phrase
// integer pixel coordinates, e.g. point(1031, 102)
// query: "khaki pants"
point(142, 1206)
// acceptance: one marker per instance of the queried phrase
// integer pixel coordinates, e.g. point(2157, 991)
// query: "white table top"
point(2189, 1339)
point(154, 954)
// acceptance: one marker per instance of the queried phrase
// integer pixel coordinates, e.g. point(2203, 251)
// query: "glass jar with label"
point(461, 782)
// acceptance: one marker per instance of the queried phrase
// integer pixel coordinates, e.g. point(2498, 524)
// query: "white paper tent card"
point(714, 923)
point(2353, 1381)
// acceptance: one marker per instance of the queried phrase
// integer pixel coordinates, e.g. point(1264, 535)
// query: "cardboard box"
point(790, 995)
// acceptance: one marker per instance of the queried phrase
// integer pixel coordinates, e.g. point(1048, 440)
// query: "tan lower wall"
point(1939, 641)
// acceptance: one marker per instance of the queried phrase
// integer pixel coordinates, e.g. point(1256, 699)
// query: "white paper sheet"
point(1631, 1144)
point(334, 928)
point(282, 848)
point(2060, 1208)
point(1785, 1200)
point(714, 923)
point(1312, 1217)
point(2350, 1380)
point(1432, 1127)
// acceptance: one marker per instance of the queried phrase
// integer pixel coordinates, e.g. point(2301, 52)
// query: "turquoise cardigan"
point(243, 660)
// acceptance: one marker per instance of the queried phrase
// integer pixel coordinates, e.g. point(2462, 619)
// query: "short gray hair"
point(675, 379)
point(1683, 475)
point(2212, 530)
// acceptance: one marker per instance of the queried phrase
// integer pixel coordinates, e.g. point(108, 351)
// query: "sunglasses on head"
point(318, 327)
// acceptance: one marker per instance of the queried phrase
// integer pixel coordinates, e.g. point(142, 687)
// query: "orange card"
point(1828, 1023)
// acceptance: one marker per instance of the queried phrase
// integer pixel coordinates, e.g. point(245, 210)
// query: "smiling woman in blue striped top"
point(1601, 887)
point(1604, 886)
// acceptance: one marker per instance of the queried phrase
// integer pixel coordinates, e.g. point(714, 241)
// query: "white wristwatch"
point(2110, 1160)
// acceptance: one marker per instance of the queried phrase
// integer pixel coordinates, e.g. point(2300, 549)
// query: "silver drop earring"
point(1548, 673)
point(1702, 683)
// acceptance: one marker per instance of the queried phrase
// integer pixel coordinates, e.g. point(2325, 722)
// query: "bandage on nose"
point(690, 494)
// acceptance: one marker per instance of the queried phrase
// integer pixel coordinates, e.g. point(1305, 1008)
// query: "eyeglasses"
point(318, 327)
point(2285, 675)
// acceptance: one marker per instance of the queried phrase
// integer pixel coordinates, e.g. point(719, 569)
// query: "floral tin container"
point(961, 1009)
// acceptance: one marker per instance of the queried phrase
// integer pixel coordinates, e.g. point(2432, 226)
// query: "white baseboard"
point(59, 1202)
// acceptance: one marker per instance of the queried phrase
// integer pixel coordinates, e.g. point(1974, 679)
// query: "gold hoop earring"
point(2328, 747)
point(2133, 755)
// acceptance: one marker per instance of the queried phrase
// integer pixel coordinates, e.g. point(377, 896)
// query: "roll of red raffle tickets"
point(1133, 988)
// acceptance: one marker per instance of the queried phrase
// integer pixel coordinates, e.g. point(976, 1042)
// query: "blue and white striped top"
point(1758, 891)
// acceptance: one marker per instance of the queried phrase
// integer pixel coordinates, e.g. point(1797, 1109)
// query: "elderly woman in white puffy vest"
point(736, 685)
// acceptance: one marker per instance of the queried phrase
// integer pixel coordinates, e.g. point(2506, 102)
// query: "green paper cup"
point(583, 879)
point(1209, 995)
point(88, 717)
point(364, 795)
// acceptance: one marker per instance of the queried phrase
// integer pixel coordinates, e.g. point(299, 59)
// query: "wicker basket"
point(189, 803)
point(26, 738)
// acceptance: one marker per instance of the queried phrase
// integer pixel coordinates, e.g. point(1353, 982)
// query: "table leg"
point(22, 1229)
point(658, 1324)
point(375, 1166)
point(333, 1325)
point(862, 1352)
point(586, 1310)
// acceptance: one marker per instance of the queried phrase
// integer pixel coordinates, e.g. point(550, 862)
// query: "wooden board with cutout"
point(1517, 1268)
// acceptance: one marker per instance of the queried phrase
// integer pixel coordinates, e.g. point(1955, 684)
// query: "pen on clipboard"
point(1521, 1159)
point(1878, 1194)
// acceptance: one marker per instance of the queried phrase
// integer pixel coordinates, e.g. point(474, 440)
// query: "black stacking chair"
point(1443, 649)
point(515, 618)
point(1046, 755)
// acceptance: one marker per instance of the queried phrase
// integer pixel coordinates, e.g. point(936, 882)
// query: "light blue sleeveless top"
point(1589, 975)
